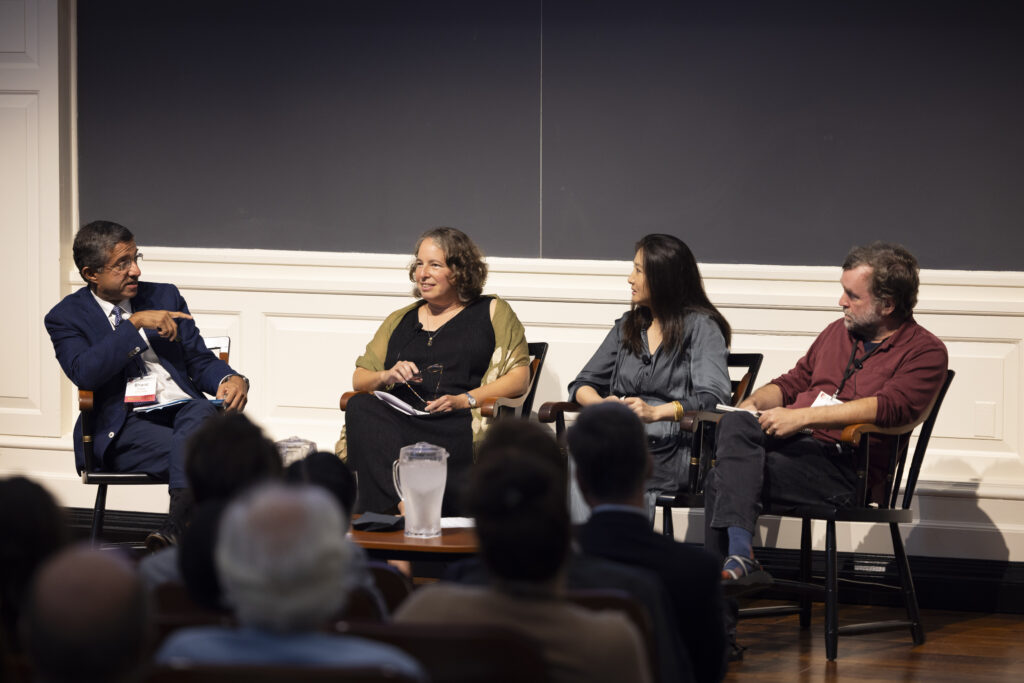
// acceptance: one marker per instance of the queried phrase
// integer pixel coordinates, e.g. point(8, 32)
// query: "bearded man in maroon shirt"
point(875, 364)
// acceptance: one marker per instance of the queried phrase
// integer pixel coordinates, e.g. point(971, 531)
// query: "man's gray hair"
point(283, 558)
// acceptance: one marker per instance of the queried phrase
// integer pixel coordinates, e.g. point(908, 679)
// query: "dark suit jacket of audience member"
point(690, 575)
point(592, 573)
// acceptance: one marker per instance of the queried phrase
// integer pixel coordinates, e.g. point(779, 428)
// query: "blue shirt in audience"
point(251, 646)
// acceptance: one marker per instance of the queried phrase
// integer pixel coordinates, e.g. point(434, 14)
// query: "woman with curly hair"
point(443, 354)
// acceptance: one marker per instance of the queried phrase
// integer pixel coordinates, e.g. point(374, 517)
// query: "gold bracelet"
point(679, 410)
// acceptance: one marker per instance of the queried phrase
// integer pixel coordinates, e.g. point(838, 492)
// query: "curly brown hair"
point(461, 255)
point(894, 274)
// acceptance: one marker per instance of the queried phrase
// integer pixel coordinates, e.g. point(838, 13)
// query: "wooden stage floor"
point(960, 646)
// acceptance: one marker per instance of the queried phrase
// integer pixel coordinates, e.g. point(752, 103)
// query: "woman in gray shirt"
point(664, 358)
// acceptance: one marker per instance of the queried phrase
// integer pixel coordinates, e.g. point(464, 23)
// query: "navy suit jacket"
point(98, 358)
point(691, 576)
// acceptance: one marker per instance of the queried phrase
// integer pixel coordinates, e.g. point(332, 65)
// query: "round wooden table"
point(451, 545)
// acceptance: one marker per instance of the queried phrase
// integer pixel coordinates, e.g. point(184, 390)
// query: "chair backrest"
point(538, 352)
point(742, 387)
point(174, 609)
point(221, 346)
point(923, 438)
point(362, 605)
point(620, 601)
point(248, 673)
point(460, 653)
point(393, 585)
point(885, 491)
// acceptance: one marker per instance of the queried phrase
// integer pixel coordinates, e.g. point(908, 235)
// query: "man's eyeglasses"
point(124, 264)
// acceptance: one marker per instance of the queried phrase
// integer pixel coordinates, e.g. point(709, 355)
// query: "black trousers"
point(753, 469)
point(377, 432)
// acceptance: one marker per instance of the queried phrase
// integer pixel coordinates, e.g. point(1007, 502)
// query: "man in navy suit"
point(609, 446)
point(134, 344)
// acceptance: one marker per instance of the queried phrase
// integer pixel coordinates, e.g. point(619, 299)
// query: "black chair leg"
point(831, 593)
point(667, 527)
point(97, 514)
point(907, 585)
point(805, 572)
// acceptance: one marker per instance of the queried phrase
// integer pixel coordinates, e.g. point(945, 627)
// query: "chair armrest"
point(550, 411)
point(692, 420)
point(699, 416)
point(85, 400)
point(489, 406)
point(343, 401)
point(853, 433)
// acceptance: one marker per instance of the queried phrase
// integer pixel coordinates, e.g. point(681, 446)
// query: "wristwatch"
point(237, 374)
point(472, 401)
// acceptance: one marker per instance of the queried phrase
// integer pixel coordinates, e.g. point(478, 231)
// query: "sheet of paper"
point(398, 404)
point(733, 409)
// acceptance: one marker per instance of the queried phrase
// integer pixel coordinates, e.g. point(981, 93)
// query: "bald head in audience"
point(87, 619)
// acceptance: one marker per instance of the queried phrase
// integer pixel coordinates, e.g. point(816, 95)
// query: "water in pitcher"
point(423, 483)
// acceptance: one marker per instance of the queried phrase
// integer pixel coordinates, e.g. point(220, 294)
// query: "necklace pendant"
point(430, 341)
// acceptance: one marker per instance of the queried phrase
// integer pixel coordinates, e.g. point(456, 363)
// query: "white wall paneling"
point(29, 214)
point(299, 320)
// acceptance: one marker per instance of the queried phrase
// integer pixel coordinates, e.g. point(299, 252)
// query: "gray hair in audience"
point(283, 557)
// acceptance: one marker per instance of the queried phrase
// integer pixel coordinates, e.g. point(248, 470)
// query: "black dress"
point(462, 347)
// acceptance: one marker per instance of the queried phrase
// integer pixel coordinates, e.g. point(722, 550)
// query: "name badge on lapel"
point(141, 390)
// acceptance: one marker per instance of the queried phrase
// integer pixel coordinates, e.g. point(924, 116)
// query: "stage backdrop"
point(771, 133)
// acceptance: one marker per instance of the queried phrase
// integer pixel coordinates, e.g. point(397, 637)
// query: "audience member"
point(33, 529)
point(87, 619)
point(226, 455)
point(585, 572)
point(609, 445)
point(522, 522)
point(329, 471)
point(282, 557)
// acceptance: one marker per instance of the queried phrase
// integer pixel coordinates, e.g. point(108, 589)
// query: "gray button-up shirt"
point(695, 374)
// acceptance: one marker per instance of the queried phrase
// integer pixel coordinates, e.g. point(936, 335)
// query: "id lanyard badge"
point(141, 386)
point(141, 390)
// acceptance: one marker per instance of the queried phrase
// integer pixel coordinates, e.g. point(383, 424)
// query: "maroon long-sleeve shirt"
point(903, 375)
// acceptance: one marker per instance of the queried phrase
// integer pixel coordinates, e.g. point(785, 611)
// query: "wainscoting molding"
point(298, 320)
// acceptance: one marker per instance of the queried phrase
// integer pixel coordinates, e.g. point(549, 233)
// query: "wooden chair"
point(362, 605)
point(459, 653)
point(93, 475)
point(392, 584)
point(519, 406)
point(224, 673)
point(173, 609)
point(702, 425)
point(620, 601)
point(892, 510)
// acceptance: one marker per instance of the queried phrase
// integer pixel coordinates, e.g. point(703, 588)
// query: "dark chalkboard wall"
point(760, 132)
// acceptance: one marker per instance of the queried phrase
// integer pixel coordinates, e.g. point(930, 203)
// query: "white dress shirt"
point(167, 389)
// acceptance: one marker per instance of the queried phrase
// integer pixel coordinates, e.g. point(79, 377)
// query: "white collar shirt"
point(167, 389)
